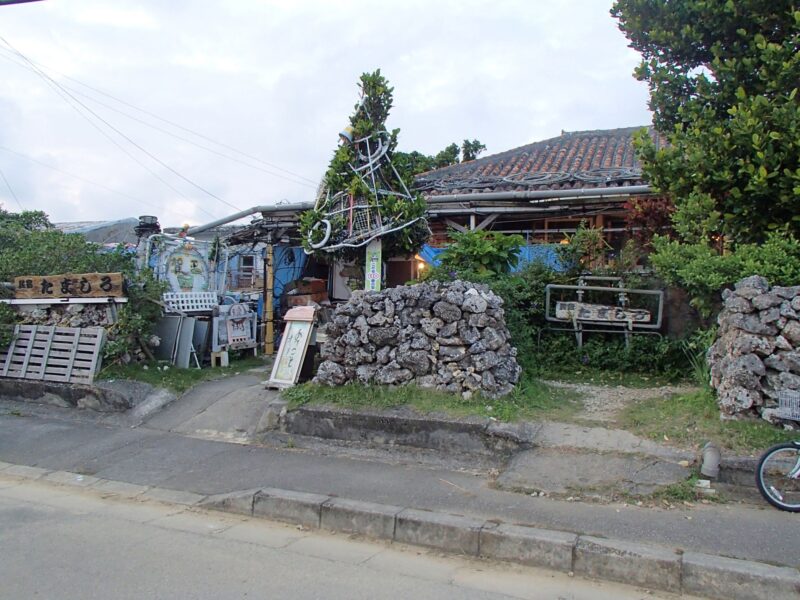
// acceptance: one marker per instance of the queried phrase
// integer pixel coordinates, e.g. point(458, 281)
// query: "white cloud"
point(125, 15)
point(278, 80)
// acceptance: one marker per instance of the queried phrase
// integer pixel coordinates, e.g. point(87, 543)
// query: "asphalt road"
point(67, 543)
point(154, 457)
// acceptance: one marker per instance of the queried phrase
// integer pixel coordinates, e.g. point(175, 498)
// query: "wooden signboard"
point(70, 285)
point(292, 351)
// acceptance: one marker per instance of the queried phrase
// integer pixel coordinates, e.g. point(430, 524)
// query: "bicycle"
point(778, 471)
point(778, 476)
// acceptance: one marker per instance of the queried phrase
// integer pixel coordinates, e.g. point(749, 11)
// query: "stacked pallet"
point(49, 353)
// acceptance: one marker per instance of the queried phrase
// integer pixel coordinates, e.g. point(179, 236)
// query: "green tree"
point(368, 121)
point(723, 79)
point(414, 163)
point(29, 220)
point(30, 245)
point(470, 149)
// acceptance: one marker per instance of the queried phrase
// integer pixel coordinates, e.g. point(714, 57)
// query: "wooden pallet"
point(59, 354)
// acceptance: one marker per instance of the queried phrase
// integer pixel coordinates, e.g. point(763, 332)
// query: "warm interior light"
point(421, 265)
point(564, 241)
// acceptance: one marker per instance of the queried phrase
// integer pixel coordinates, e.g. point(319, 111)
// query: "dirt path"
point(603, 403)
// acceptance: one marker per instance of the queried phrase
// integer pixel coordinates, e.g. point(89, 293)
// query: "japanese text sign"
point(70, 285)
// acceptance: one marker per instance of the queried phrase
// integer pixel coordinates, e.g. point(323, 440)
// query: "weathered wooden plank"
point(67, 347)
point(65, 355)
point(81, 365)
point(45, 349)
point(70, 285)
point(28, 348)
point(97, 360)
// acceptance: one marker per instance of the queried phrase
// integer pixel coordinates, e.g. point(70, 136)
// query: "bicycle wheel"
point(778, 476)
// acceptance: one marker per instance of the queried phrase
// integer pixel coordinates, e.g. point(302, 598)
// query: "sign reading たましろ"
point(70, 285)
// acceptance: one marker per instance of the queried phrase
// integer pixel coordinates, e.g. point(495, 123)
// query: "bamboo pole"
point(269, 334)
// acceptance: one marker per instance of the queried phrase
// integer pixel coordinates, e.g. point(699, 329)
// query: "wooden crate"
point(59, 354)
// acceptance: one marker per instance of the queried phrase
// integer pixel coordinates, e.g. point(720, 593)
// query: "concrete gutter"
point(94, 397)
point(645, 565)
point(477, 435)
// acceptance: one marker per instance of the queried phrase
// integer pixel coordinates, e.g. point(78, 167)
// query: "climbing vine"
point(363, 196)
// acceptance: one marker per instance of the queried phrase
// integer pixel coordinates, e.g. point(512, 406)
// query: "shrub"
point(29, 245)
point(485, 253)
point(646, 354)
point(584, 249)
point(704, 272)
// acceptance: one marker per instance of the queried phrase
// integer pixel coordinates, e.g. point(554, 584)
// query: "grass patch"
point(685, 491)
point(530, 399)
point(593, 376)
point(693, 419)
point(177, 380)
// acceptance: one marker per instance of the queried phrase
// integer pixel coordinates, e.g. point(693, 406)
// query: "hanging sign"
point(374, 266)
point(70, 285)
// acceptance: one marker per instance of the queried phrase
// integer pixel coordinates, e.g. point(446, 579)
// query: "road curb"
point(645, 565)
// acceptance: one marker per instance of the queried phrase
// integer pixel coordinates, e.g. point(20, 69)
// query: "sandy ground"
point(603, 403)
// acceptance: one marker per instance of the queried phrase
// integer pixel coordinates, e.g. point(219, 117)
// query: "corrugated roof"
point(573, 160)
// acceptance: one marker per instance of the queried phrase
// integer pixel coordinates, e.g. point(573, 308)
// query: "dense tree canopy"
point(30, 245)
point(386, 187)
point(723, 80)
point(414, 163)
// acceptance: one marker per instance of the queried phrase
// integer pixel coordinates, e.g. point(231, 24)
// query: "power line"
point(89, 181)
point(10, 189)
point(52, 82)
point(309, 182)
point(124, 150)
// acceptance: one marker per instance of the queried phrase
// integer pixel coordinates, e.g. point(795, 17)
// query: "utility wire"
point(10, 189)
point(167, 132)
point(117, 131)
point(89, 181)
point(51, 83)
point(310, 182)
point(124, 150)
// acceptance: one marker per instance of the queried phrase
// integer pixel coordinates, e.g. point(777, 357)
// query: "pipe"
point(539, 195)
point(542, 194)
point(269, 317)
point(489, 210)
point(710, 461)
point(269, 208)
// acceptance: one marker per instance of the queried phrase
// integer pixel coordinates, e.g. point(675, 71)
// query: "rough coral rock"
point(756, 355)
point(446, 336)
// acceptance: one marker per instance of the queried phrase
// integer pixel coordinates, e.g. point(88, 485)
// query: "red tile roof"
point(580, 159)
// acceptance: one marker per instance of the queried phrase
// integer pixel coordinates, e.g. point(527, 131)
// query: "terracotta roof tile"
point(573, 160)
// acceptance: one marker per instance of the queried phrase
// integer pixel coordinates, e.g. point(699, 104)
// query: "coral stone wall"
point(756, 353)
point(447, 336)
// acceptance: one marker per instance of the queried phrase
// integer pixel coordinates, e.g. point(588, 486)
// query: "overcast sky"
point(276, 80)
